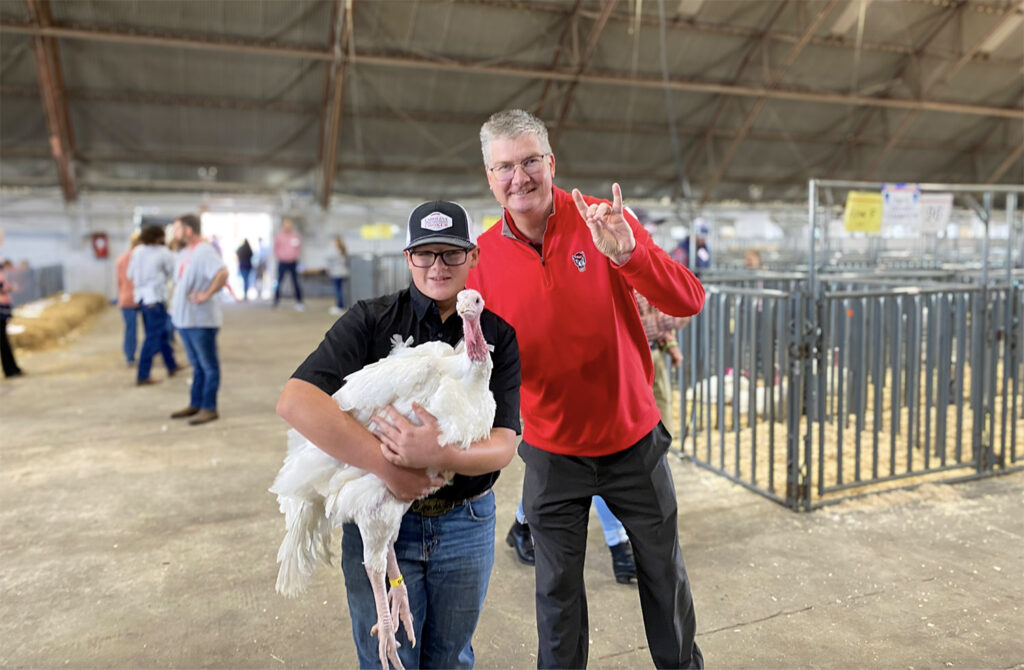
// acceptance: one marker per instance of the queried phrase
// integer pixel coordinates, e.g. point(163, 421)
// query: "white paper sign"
point(901, 206)
point(936, 210)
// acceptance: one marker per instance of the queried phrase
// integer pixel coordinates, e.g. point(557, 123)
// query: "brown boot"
point(187, 412)
point(204, 416)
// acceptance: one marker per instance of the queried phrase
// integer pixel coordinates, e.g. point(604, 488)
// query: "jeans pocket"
point(483, 509)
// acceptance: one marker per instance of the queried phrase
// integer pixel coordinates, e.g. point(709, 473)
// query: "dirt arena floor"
point(133, 541)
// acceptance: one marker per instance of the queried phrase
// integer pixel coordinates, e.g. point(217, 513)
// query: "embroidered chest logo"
point(579, 259)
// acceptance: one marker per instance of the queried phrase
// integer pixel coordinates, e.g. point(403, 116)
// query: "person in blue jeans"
point(149, 269)
point(445, 545)
point(199, 274)
point(615, 536)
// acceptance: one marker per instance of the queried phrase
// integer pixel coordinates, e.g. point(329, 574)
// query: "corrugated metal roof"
point(155, 89)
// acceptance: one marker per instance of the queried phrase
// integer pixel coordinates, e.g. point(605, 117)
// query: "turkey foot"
point(384, 629)
point(398, 598)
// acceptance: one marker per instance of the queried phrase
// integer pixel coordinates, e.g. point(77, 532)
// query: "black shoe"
point(622, 562)
point(519, 538)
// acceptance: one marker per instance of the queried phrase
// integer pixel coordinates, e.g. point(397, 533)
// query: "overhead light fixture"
point(689, 8)
point(999, 35)
point(847, 19)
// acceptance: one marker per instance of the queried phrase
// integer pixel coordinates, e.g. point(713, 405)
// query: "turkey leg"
point(384, 629)
point(398, 597)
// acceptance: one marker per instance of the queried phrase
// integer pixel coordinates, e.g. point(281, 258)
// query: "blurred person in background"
point(150, 267)
point(11, 368)
point(244, 253)
point(681, 254)
point(287, 250)
point(126, 301)
point(337, 269)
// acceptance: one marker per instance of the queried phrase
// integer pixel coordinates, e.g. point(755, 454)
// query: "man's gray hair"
point(509, 124)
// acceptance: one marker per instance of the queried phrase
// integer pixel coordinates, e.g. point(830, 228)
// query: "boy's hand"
point(407, 445)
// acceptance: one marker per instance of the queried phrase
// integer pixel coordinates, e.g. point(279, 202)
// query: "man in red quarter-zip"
point(561, 269)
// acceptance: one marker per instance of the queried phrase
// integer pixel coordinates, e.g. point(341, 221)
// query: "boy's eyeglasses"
point(425, 259)
point(532, 166)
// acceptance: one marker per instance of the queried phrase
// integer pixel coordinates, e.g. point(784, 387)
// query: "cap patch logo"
point(579, 259)
point(436, 221)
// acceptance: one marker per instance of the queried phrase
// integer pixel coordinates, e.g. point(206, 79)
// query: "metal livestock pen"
point(813, 387)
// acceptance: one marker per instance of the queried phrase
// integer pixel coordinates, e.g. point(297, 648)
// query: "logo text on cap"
point(436, 221)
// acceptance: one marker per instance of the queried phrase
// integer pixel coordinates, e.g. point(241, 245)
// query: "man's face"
point(523, 193)
point(441, 282)
point(179, 231)
point(287, 225)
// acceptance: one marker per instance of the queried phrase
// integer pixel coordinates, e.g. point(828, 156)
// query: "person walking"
point(561, 269)
point(287, 250)
point(199, 274)
point(150, 267)
point(337, 269)
point(244, 254)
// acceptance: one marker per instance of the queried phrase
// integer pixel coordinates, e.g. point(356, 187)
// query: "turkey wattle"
point(318, 493)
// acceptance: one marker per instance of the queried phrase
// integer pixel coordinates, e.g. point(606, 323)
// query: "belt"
point(436, 507)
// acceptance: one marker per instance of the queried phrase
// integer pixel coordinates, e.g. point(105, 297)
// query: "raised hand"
point(611, 232)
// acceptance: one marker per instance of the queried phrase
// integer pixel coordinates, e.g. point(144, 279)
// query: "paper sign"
point(936, 210)
point(863, 212)
point(377, 231)
point(901, 206)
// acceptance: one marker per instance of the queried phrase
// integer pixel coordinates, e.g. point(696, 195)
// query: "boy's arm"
point(319, 419)
point(403, 443)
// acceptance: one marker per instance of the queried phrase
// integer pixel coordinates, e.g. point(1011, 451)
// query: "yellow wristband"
point(397, 582)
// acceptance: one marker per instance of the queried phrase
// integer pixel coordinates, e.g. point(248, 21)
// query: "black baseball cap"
point(439, 222)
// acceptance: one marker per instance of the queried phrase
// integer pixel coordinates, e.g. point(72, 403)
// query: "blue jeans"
point(446, 562)
point(339, 291)
point(292, 270)
point(154, 319)
point(131, 327)
point(201, 347)
point(614, 531)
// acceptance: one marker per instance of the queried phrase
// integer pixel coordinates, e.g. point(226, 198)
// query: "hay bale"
point(45, 323)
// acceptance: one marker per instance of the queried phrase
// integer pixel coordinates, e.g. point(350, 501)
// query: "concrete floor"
point(133, 541)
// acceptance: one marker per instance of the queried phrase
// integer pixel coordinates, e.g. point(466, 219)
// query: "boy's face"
point(441, 282)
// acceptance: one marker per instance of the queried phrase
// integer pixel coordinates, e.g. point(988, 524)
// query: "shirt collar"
point(421, 304)
point(508, 228)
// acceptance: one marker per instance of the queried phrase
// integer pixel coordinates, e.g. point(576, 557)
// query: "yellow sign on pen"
point(488, 221)
point(377, 231)
point(863, 212)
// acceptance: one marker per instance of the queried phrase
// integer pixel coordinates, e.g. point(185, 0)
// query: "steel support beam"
point(773, 81)
point(51, 89)
point(711, 28)
point(588, 52)
point(332, 114)
point(912, 58)
point(567, 28)
point(623, 79)
point(720, 104)
point(949, 73)
point(1005, 165)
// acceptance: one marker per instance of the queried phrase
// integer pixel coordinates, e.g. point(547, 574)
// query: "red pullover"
point(586, 363)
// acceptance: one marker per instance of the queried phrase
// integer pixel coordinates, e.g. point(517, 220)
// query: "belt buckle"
point(432, 507)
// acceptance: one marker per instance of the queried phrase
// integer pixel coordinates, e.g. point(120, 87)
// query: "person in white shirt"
point(150, 268)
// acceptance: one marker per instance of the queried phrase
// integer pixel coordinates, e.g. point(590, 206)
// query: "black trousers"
point(637, 485)
point(6, 352)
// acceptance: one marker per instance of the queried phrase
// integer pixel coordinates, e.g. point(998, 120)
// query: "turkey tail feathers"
point(306, 543)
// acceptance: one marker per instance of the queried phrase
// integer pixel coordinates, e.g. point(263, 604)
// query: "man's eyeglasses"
point(531, 166)
point(425, 259)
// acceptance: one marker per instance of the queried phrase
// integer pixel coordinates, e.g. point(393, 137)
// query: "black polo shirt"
point(363, 335)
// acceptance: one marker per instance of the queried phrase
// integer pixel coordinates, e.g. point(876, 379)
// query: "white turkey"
point(318, 493)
